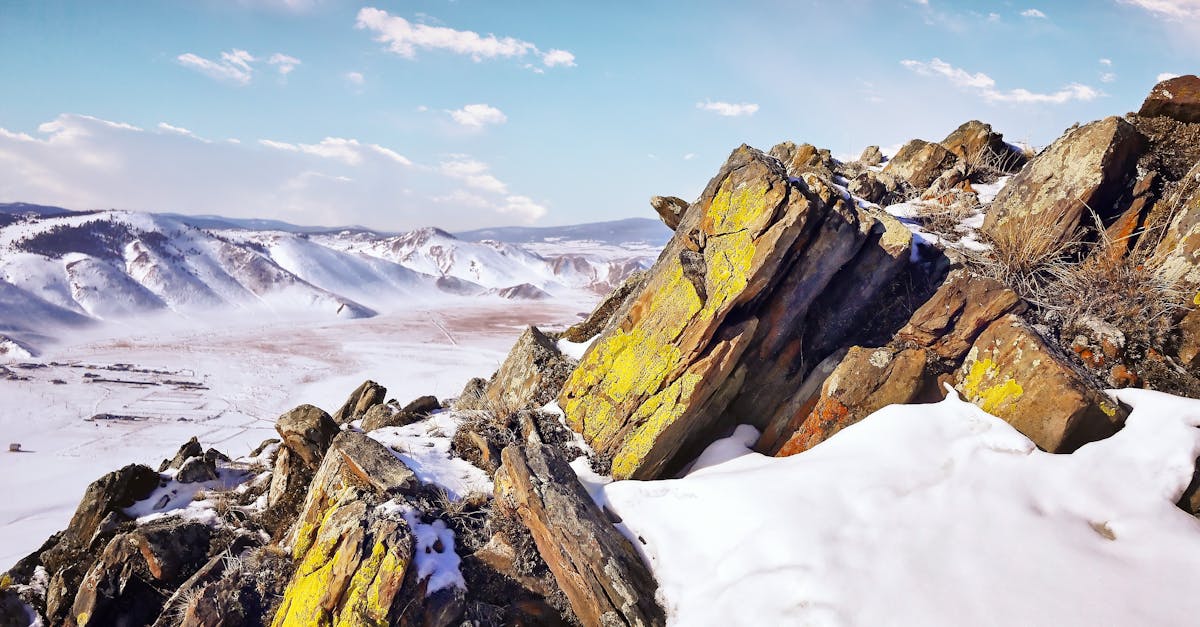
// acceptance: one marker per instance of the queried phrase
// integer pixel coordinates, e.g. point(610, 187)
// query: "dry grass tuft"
point(1028, 254)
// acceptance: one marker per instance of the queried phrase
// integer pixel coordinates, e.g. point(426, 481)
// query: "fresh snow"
point(424, 447)
point(575, 350)
point(930, 515)
point(433, 549)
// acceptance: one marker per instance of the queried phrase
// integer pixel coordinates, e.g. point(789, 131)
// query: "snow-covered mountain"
point(61, 269)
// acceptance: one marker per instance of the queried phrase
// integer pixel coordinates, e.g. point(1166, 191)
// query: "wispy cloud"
point(348, 151)
point(1033, 13)
point(236, 65)
point(405, 38)
point(728, 109)
point(478, 115)
point(355, 78)
point(985, 86)
point(1168, 9)
point(474, 174)
point(284, 63)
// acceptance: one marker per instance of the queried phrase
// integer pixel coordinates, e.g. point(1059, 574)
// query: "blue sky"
point(474, 113)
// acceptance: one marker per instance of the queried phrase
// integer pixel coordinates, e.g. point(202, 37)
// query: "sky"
point(476, 113)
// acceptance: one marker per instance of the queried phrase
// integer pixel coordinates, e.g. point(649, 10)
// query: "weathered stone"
point(678, 368)
point(1012, 373)
point(1088, 167)
point(190, 449)
point(1179, 250)
point(385, 415)
point(372, 463)
point(602, 575)
point(116, 589)
point(531, 375)
point(423, 405)
point(172, 548)
point(777, 432)
point(920, 163)
point(871, 155)
point(867, 380)
point(803, 159)
point(950, 321)
point(104, 498)
point(670, 209)
point(307, 431)
point(289, 478)
point(473, 396)
point(363, 398)
point(184, 600)
point(1189, 339)
point(979, 146)
point(607, 311)
point(1177, 98)
point(13, 611)
point(197, 470)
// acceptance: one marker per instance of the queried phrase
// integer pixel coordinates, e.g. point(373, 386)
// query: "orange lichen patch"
point(1123, 377)
point(829, 417)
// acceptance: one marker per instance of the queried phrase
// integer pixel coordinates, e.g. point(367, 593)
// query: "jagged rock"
point(877, 187)
point(423, 405)
point(1189, 344)
point(184, 601)
point(807, 394)
point(871, 155)
point(13, 611)
point(867, 380)
point(385, 415)
point(677, 369)
point(977, 144)
point(670, 209)
point(190, 449)
point(104, 500)
point(307, 430)
point(602, 575)
point(172, 548)
point(372, 463)
point(197, 470)
point(531, 375)
point(950, 321)
point(1012, 373)
point(604, 313)
point(116, 589)
point(479, 440)
point(1088, 167)
point(1177, 98)
point(289, 478)
point(920, 163)
point(363, 398)
point(1123, 234)
point(1179, 250)
point(474, 396)
point(805, 158)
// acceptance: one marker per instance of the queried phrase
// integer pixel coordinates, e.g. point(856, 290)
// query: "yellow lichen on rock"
point(980, 388)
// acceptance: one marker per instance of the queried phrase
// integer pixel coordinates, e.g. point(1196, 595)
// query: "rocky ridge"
point(799, 295)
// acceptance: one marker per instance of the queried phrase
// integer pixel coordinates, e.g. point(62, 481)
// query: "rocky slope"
point(798, 295)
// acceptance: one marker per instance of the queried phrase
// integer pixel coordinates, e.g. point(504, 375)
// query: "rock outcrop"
point(976, 144)
point(1086, 168)
point(607, 311)
point(920, 163)
point(670, 209)
point(366, 396)
point(1176, 98)
point(531, 375)
point(750, 259)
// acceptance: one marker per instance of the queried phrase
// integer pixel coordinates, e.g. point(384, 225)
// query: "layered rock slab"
point(719, 325)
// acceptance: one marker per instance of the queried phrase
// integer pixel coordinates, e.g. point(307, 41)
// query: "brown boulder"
point(1012, 373)
point(867, 380)
point(602, 575)
point(950, 321)
point(307, 430)
point(920, 163)
point(871, 155)
point(363, 398)
point(1179, 250)
point(979, 146)
point(1176, 98)
point(1088, 167)
point(99, 510)
point(670, 209)
point(531, 375)
point(805, 158)
point(385, 415)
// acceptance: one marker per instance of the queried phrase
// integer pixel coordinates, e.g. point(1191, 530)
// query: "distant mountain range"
point(60, 269)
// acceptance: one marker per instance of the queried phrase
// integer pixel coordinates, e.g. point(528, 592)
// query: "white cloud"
point(1108, 77)
point(1106, 62)
point(284, 63)
point(1165, 76)
point(84, 162)
point(559, 57)
point(355, 78)
point(985, 86)
point(1168, 9)
point(179, 130)
point(728, 109)
point(1033, 13)
point(474, 174)
point(235, 65)
point(689, 156)
point(478, 115)
point(405, 38)
point(222, 70)
point(993, 17)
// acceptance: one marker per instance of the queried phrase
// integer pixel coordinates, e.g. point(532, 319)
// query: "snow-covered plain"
point(930, 515)
point(224, 380)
